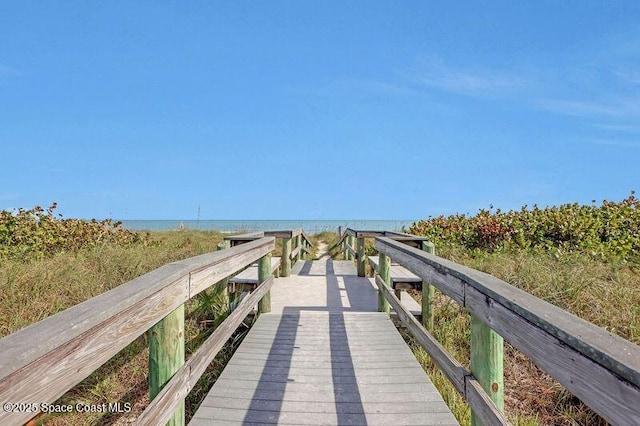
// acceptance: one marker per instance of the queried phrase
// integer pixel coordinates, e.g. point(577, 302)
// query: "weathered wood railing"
point(295, 243)
point(601, 369)
point(351, 237)
point(39, 363)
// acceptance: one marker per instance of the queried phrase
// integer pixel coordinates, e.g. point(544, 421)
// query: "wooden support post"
point(222, 287)
point(285, 262)
point(347, 242)
point(427, 292)
point(361, 258)
point(352, 243)
point(166, 356)
point(264, 272)
point(384, 270)
point(299, 244)
point(487, 351)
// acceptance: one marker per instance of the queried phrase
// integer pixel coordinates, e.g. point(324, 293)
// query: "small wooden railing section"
point(39, 363)
point(600, 368)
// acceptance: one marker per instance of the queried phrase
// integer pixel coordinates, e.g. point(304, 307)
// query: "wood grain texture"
point(481, 404)
point(47, 378)
point(605, 392)
point(166, 356)
point(384, 271)
point(611, 351)
point(452, 369)
point(361, 257)
point(306, 237)
point(295, 253)
point(350, 252)
point(264, 273)
point(245, 237)
point(285, 264)
point(483, 408)
point(163, 406)
point(401, 278)
point(368, 234)
point(212, 267)
point(400, 236)
point(428, 292)
point(487, 353)
point(348, 368)
point(406, 256)
point(287, 233)
point(42, 361)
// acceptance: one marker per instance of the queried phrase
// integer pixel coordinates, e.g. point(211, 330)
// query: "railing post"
point(347, 253)
point(222, 286)
point(299, 244)
point(361, 257)
point(166, 356)
point(352, 243)
point(264, 272)
point(384, 270)
point(427, 292)
point(285, 262)
point(486, 362)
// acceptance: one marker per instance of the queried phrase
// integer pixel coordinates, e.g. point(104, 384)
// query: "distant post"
point(384, 270)
point(222, 287)
point(285, 262)
point(427, 292)
point(347, 253)
point(166, 356)
point(264, 272)
point(299, 244)
point(361, 256)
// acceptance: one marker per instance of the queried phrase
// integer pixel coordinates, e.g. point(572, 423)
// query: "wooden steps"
point(247, 280)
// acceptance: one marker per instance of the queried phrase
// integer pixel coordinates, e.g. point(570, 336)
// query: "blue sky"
point(316, 110)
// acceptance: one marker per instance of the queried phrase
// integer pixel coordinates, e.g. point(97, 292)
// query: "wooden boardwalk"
point(324, 355)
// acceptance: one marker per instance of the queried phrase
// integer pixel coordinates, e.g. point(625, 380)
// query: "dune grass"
point(606, 293)
point(35, 289)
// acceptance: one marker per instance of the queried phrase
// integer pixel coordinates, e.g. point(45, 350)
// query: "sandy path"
point(323, 250)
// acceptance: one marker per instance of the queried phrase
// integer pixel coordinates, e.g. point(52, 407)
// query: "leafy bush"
point(37, 233)
point(609, 230)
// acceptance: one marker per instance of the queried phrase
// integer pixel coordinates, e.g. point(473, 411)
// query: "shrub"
point(37, 233)
point(609, 230)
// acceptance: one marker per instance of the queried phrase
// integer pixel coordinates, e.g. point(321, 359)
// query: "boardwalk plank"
point(323, 356)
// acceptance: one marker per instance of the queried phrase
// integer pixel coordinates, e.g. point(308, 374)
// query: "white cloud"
point(578, 107)
point(349, 86)
point(472, 81)
point(620, 128)
point(616, 142)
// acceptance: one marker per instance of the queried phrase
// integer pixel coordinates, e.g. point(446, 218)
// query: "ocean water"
point(310, 226)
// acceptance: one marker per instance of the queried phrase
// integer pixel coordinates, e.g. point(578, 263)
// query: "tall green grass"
point(34, 288)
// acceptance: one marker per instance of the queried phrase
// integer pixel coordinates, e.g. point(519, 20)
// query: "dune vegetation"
point(584, 259)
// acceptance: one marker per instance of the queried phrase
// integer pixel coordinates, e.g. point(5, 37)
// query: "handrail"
point(461, 378)
point(600, 368)
point(39, 363)
point(295, 252)
point(160, 410)
point(294, 241)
